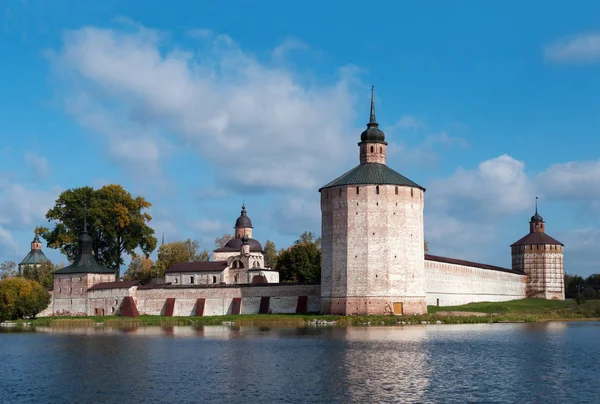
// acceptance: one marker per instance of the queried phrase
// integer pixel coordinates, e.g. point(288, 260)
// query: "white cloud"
point(210, 226)
point(579, 48)
point(582, 254)
point(497, 186)
point(409, 122)
point(219, 100)
point(38, 164)
point(8, 244)
point(573, 181)
point(423, 154)
point(22, 207)
point(289, 45)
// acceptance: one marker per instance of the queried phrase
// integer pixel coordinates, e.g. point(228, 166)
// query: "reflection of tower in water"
point(385, 364)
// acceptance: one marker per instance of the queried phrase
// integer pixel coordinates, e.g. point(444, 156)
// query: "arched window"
point(377, 189)
point(396, 190)
point(371, 149)
point(411, 192)
point(356, 190)
point(380, 149)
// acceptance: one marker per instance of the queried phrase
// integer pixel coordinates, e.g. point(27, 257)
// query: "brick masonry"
point(372, 250)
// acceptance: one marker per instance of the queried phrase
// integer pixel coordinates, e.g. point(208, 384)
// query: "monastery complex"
point(373, 262)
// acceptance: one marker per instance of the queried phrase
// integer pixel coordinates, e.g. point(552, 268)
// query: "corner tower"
point(372, 241)
point(540, 257)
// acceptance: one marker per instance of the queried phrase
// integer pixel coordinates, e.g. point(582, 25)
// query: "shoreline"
point(282, 320)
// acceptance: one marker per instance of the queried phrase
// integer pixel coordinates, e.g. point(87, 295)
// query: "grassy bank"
point(526, 310)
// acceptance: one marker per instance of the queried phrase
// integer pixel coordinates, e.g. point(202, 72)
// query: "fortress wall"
point(454, 284)
point(107, 299)
point(219, 300)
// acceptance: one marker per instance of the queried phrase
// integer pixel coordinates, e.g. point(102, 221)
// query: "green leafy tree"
point(117, 223)
point(8, 269)
point(179, 251)
point(302, 261)
point(42, 273)
point(21, 298)
point(141, 269)
point(221, 241)
point(271, 254)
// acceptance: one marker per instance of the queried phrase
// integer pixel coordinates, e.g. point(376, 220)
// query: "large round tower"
point(372, 241)
point(540, 257)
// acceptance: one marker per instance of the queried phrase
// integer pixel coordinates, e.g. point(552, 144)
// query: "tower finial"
point(85, 209)
point(163, 238)
point(372, 116)
point(536, 205)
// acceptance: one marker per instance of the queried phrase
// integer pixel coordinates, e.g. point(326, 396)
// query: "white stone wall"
point(450, 284)
point(109, 300)
point(199, 278)
point(372, 249)
point(219, 299)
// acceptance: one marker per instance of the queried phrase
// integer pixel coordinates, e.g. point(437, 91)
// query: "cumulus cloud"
point(581, 250)
point(234, 110)
point(497, 186)
point(22, 207)
point(210, 226)
point(38, 164)
point(8, 244)
point(573, 181)
point(578, 48)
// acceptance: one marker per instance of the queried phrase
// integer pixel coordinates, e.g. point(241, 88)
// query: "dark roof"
point(469, 263)
point(243, 220)
point(114, 285)
point(372, 173)
point(211, 266)
point(235, 244)
point(537, 238)
point(34, 257)
point(537, 218)
point(85, 262)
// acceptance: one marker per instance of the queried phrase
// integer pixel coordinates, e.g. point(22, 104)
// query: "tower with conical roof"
point(540, 257)
point(35, 257)
point(72, 282)
point(372, 244)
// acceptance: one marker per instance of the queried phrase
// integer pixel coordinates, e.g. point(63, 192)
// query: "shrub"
point(21, 298)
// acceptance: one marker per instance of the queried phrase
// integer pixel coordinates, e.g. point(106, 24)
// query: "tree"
point(42, 273)
point(141, 269)
point(117, 223)
point(8, 269)
point(21, 298)
point(270, 252)
point(308, 237)
point(179, 251)
point(302, 261)
point(221, 241)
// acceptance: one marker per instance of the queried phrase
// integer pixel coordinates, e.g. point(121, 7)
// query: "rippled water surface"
point(509, 363)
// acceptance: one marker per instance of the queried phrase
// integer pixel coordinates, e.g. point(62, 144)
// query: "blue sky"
point(200, 105)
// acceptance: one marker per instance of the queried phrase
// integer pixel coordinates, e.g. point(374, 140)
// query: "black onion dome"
point(372, 134)
point(236, 244)
point(537, 218)
point(243, 220)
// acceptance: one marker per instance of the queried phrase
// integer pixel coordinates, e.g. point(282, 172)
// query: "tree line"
point(579, 287)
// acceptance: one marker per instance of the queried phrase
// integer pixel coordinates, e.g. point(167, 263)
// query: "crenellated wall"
point(450, 284)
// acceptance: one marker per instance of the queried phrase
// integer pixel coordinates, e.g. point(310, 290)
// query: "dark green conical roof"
point(85, 262)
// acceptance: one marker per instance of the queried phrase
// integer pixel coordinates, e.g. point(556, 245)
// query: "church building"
point(240, 261)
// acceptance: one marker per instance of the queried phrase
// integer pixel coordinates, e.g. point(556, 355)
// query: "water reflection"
point(552, 362)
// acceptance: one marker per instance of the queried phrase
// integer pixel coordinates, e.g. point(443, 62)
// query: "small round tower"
point(372, 242)
point(540, 257)
point(243, 224)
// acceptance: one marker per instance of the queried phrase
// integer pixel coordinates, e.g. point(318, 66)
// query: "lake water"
point(503, 363)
